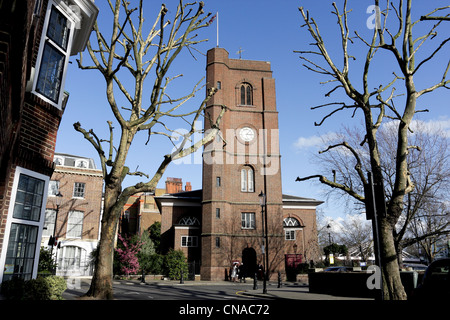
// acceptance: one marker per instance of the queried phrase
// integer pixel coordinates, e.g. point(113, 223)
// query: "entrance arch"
point(249, 261)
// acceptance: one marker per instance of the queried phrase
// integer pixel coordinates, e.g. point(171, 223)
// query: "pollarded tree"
point(131, 56)
point(428, 167)
point(398, 39)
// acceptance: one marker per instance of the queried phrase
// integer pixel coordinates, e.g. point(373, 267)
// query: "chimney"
point(174, 185)
point(188, 187)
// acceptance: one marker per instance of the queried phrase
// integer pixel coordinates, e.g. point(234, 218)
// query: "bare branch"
point(344, 106)
point(93, 139)
point(358, 166)
point(442, 83)
point(335, 185)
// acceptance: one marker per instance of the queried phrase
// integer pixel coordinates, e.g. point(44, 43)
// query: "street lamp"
point(329, 234)
point(262, 202)
point(58, 201)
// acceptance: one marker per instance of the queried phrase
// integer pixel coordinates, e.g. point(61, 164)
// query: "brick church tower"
point(240, 164)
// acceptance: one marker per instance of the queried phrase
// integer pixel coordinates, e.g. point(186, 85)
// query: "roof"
point(196, 195)
point(193, 197)
point(186, 195)
point(289, 199)
point(70, 160)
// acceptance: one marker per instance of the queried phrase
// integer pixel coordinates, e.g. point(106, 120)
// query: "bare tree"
point(429, 171)
point(355, 233)
point(377, 104)
point(143, 55)
point(429, 229)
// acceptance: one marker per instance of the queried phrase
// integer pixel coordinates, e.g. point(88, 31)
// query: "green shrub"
point(13, 289)
point(174, 264)
point(41, 288)
point(45, 288)
point(302, 268)
point(46, 262)
point(152, 264)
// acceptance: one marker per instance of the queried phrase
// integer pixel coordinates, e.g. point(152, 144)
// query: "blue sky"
point(269, 31)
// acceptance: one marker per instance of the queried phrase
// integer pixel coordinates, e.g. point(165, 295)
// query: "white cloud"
point(441, 126)
point(303, 142)
point(313, 141)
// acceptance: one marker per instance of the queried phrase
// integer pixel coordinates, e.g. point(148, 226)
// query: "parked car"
point(435, 282)
point(415, 266)
point(337, 269)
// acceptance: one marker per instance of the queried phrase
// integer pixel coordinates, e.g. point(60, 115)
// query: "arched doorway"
point(249, 261)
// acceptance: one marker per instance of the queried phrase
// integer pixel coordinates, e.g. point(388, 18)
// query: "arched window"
point(247, 179)
point(291, 222)
point(189, 221)
point(291, 225)
point(246, 94)
point(81, 163)
point(249, 95)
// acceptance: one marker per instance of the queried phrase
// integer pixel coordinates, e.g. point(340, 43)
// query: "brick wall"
point(174, 185)
point(90, 205)
point(228, 162)
point(17, 40)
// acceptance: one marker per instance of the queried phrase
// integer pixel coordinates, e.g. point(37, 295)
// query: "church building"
point(241, 203)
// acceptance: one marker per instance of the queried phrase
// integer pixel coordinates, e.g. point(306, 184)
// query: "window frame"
point(247, 175)
point(291, 222)
point(218, 182)
point(79, 162)
point(245, 94)
point(44, 43)
point(248, 220)
point(290, 234)
point(58, 158)
point(71, 225)
point(10, 220)
point(49, 225)
point(50, 188)
point(189, 241)
point(72, 264)
point(217, 242)
point(291, 225)
point(76, 192)
point(27, 202)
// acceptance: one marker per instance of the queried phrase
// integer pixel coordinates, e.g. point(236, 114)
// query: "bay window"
point(53, 56)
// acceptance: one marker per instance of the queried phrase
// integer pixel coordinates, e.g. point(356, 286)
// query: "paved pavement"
point(287, 291)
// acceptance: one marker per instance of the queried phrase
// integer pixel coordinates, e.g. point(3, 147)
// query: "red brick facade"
point(28, 124)
point(139, 213)
point(236, 168)
point(90, 204)
point(259, 113)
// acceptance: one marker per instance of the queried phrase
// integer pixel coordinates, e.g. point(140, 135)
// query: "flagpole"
point(217, 15)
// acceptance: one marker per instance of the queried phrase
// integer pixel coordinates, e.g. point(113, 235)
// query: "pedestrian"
point(260, 272)
point(234, 272)
point(242, 272)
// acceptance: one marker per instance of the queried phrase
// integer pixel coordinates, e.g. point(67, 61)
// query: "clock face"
point(247, 134)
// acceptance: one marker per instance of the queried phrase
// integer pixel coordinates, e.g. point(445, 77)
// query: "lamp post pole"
point(262, 201)
point(53, 237)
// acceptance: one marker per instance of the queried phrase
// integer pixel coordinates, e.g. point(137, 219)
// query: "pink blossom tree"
point(128, 256)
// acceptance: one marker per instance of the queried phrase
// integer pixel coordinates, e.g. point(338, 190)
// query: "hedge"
point(41, 288)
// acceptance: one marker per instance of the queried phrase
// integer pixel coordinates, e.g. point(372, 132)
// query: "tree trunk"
point(101, 284)
point(392, 283)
